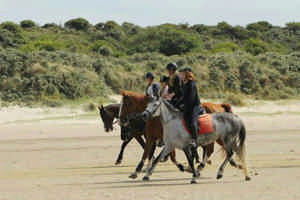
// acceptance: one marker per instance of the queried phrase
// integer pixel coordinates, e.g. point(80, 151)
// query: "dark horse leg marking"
point(204, 158)
point(120, 156)
point(140, 140)
point(221, 169)
point(189, 155)
point(162, 154)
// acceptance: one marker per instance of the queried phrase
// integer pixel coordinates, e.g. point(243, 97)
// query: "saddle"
point(205, 124)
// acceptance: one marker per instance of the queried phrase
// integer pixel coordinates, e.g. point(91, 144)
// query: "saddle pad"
point(205, 124)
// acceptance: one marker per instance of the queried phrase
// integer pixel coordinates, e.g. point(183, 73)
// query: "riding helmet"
point(150, 75)
point(172, 66)
point(187, 69)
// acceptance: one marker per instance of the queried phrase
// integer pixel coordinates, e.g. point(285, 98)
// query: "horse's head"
point(132, 103)
point(161, 108)
point(107, 118)
point(152, 110)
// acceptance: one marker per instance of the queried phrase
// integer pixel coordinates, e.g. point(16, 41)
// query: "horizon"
point(154, 12)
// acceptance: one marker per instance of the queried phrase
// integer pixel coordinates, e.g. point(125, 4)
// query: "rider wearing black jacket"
point(192, 108)
point(175, 85)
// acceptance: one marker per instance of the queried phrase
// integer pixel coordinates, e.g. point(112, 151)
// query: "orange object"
point(205, 122)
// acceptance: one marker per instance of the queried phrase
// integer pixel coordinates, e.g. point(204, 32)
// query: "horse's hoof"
point(219, 176)
point(180, 167)
point(209, 162)
point(193, 181)
point(247, 178)
point(239, 166)
point(146, 178)
point(118, 162)
point(133, 176)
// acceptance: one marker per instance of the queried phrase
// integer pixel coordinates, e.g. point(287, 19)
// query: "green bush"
point(260, 26)
point(293, 27)
point(50, 25)
point(79, 24)
point(255, 46)
point(225, 47)
point(11, 26)
point(27, 24)
point(105, 51)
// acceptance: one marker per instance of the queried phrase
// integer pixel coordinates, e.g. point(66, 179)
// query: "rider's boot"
point(194, 133)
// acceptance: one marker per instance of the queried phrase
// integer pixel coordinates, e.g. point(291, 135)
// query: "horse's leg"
point(189, 155)
point(150, 156)
point(141, 163)
point(140, 140)
point(197, 157)
point(162, 154)
point(173, 159)
point(204, 158)
point(221, 169)
point(120, 156)
point(210, 150)
point(231, 161)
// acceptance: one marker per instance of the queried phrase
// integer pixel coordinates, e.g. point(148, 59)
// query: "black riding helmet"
point(172, 66)
point(186, 69)
point(149, 75)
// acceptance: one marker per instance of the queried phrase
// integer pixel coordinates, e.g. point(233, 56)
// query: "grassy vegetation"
point(54, 64)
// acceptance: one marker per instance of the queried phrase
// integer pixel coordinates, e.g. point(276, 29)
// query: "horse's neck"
point(142, 104)
point(167, 114)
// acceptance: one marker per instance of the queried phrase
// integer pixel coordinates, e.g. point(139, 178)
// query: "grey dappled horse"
point(228, 127)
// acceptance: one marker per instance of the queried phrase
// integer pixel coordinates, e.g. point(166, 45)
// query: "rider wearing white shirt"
point(152, 89)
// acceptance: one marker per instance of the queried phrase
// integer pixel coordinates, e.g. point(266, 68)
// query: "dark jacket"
point(152, 90)
point(176, 87)
point(191, 99)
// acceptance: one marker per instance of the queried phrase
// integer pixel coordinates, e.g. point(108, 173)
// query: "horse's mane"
point(132, 94)
point(171, 107)
point(139, 98)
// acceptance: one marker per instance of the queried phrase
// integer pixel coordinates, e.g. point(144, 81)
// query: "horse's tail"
point(241, 149)
point(227, 107)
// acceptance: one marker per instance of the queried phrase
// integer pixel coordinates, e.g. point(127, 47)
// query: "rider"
point(191, 102)
point(175, 85)
point(152, 89)
point(164, 91)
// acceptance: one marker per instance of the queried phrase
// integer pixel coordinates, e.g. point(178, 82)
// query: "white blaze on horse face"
point(157, 107)
point(153, 108)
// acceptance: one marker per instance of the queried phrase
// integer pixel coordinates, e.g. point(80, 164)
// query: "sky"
point(153, 12)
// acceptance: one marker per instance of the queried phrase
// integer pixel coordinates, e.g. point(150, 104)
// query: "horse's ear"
point(122, 92)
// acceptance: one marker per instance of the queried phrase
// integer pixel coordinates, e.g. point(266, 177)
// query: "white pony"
point(228, 127)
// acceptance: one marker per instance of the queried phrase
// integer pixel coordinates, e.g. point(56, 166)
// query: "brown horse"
point(133, 103)
point(108, 114)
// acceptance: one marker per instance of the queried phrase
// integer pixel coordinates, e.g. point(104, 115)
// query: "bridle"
point(128, 117)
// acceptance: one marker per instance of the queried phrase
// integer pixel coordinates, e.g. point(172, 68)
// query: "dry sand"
point(65, 154)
